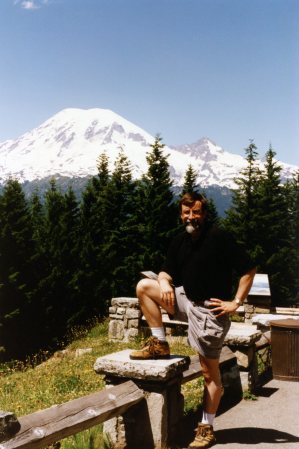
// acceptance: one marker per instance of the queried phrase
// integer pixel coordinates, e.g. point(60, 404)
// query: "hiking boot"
point(152, 349)
point(204, 437)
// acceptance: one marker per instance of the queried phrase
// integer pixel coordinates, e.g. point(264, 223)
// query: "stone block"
point(133, 313)
point(133, 323)
point(112, 309)
point(115, 316)
point(158, 414)
point(116, 330)
point(125, 302)
point(245, 356)
point(121, 310)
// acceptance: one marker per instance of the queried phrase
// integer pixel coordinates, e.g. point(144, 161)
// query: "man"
point(195, 285)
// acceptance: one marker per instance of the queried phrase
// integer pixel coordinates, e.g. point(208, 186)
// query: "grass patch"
point(249, 396)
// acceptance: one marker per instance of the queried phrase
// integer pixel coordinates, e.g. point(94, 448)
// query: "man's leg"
point(213, 385)
point(212, 394)
point(149, 295)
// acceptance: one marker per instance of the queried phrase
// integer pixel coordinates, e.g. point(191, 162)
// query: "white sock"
point(159, 333)
point(208, 418)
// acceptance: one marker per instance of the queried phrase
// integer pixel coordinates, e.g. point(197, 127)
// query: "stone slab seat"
point(153, 423)
point(156, 421)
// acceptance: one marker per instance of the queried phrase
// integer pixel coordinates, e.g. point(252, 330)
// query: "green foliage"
point(193, 392)
point(93, 438)
point(241, 218)
point(263, 218)
point(18, 274)
point(156, 211)
point(249, 396)
point(189, 184)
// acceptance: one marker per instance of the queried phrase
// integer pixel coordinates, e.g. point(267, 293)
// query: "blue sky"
point(225, 69)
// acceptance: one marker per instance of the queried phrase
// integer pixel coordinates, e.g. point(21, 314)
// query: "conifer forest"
point(63, 259)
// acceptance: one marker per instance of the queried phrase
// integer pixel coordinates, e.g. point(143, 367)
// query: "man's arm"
point(244, 287)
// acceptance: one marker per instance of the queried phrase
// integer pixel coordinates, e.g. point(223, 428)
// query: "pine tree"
point(94, 224)
point(213, 216)
point(70, 251)
point(273, 229)
point(37, 213)
point(121, 240)
point(241, 219)
point(189, 184)
point(157, 212)
point(18, 275)
point(55, 285)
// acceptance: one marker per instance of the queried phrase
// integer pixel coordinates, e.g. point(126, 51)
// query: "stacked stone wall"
point(124, 323)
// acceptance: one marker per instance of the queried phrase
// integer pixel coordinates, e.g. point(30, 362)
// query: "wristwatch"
point(238, 301)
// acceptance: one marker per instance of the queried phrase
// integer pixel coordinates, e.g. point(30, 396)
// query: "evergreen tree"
point(94, 223)
point(241, 219)
point(103, 170)
point(189, 184)
point(19, 309)
point(121, 239)
point(213, 216)
point(37, 212)
point(157, 212)
point(274, 231)
point(70, 251)
point(260, 218)
point(55, 282)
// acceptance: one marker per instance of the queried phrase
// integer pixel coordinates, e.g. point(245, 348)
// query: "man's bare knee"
point(147, 288)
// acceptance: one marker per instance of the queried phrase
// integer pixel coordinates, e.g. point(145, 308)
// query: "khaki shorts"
point(206, 333)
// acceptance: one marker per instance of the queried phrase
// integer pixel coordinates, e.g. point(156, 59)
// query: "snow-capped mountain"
point(70, 142)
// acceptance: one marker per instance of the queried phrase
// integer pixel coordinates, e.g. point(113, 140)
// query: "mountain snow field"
point(70, 142)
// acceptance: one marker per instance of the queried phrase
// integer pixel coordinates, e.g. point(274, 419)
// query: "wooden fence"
point(44, 427)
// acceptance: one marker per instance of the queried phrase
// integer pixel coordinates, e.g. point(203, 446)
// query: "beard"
point(192, 226)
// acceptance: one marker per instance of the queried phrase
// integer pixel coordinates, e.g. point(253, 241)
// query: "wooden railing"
point(44, 427)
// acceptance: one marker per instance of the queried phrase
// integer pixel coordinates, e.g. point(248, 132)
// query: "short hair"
point(188, 199)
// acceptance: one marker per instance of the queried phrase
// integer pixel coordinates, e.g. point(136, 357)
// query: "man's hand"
point(220, 307)
point(167, 292)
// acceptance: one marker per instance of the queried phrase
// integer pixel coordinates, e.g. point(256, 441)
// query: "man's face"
point(193, 216)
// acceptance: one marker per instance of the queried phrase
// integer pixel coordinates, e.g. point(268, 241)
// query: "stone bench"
point(155, 421)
